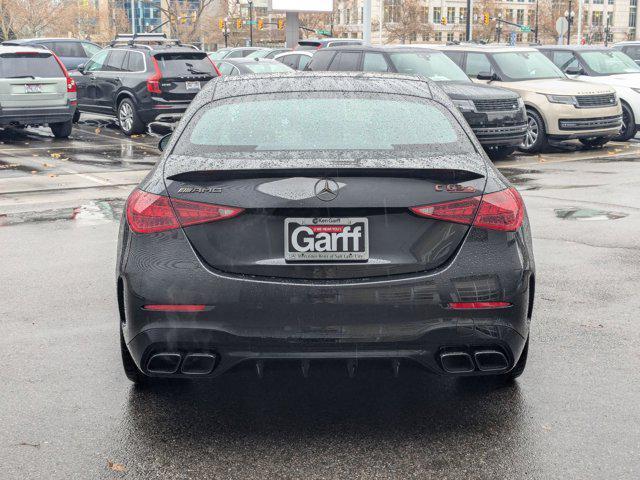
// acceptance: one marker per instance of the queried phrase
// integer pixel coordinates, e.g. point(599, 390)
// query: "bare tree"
point(406, 20)
point(185, 18)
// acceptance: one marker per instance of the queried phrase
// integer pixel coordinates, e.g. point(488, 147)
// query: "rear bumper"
point(166, 111)
point(35, 116)
point(251, 318)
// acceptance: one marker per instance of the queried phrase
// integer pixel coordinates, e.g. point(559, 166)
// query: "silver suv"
point(35, 89)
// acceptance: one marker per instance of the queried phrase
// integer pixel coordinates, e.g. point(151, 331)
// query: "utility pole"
point(251, 23)
point(579, 22)
point(536, 35)
point(133, 17)
point(569, 16)
point(366, 22)
point(468, 20)
point(380, 19)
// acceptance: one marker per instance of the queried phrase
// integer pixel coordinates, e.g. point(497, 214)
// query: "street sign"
point(323, 32)
point(251, 22)
point(525, 28)
point(562, 26)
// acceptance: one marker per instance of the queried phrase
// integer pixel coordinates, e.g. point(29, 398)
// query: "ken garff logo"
point(326, 189)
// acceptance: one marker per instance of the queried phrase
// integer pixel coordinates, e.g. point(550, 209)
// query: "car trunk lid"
point(183, 74)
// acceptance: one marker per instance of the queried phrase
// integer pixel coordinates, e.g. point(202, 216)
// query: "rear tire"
point(76, 116)
point(499, 153)
point(594, 141)
point(61, 129)
point(628, 130)
point(130, 368)
point(130, 122)
point(536, 137)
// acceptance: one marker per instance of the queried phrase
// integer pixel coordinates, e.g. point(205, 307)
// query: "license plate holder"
point(33, 88)
point(192, 85)
point(327, 239)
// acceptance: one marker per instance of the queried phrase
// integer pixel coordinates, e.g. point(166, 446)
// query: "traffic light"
point(260, 24)
point(183, 20)
point(443, 20)
point(221, 24)
point(238, 23)
point(486, 19)
point(280, 24)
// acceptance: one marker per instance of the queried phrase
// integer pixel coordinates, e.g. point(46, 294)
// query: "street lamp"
point(250, 3)
point(568, 14)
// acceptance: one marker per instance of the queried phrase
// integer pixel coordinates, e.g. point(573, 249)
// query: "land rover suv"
point(558, 108)
point(140, 81)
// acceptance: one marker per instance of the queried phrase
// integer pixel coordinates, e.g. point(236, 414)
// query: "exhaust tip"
point(164, 363)
point(198, 364)
point(491, 360)
point(456, 362)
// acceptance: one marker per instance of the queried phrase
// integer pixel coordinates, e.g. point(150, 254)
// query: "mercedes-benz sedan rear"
point(305, 217)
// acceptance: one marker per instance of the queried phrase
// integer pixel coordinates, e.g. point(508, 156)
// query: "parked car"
point(71, 51)
point(323, 221)
point(558, 108)
point(268, 52)
point(606, 66)
point(496, 115)
point(233, 52)
point(318, 43)
point(140, 83)
point(35, 89)
point(297, 60)
point(630, 48)
point(246, 65)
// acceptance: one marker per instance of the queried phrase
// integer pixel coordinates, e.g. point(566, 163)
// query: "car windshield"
point(219, 55)
point(184, 64)
point(27, 64)
point(517, 66)
point(259, 53)
point(609, 62)
point(268, 67)
point(322, 123)
point(434, 65)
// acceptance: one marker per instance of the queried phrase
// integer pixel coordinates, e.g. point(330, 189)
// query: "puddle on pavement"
point(613, 160)
point(4, 166)
point(574, 213)
point(95, 211)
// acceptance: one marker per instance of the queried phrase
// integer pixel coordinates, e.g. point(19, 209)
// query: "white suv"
point(35, 89)
point(607, 67)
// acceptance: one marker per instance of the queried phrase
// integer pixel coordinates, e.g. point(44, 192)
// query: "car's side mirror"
point(81, 68)
point(164, 141)
point(486, 76)
point(574, 71)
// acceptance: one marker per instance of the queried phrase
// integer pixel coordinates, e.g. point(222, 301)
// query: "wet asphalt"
point(68, 412)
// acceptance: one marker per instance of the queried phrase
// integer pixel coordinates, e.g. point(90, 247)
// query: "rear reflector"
point(478, 305)
point(175, 308)
point(503, 210)
point(150, 213)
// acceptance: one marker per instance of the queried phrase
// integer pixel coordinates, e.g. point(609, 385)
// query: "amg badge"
point(200, 190)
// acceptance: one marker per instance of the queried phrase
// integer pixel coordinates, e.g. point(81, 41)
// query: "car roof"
point(246, 60)
point(233, 86)
point(47, 39)
point(571, 48)
point(329, 39)
point(308, 53)
point(378, 48)
point(486, 48)
point(22, 48)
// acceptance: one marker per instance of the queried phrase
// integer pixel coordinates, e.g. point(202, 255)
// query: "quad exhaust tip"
point(166, 363)
point(490, 360)
point(457, 362)
point(198, 364)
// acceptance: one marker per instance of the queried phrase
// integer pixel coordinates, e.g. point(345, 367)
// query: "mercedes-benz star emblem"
point(326, 189)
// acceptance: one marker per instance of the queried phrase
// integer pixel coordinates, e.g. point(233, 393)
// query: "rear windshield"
point(308, 45)
point(185, 64)
point(609, 62)
point(268, 67)
point(27, 65)
point(434, 65)
point(321, 123)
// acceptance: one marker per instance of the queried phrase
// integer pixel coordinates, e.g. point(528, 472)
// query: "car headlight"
point(464, 105)
point(565, 99)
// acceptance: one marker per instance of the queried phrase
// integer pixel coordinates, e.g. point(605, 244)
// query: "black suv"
point(143, 79)
point(496, 115)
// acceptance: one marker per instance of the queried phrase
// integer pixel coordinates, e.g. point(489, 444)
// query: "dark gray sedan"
point(309, 217)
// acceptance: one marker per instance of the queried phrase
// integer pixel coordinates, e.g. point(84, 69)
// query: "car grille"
point(590, 123)
point(518, 129)
point(498, 104)
point(593, 101)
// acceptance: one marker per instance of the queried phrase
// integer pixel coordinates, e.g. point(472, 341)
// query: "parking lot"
point(67, 410)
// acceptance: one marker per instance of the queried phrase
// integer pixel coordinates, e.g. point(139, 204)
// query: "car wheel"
point(628, 130)
point(594, 141)
point(61, 129)
point(130, 368)
point(535, 139)
point(128, 118)
point(499, 153)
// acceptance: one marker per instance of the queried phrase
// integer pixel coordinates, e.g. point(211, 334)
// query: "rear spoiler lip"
point(180, 164)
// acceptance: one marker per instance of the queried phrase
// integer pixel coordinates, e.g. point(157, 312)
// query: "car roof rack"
point(144, 40)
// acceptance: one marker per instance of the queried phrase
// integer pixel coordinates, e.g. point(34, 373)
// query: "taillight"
point(478, 305)
point(503, 210)
point(150, 213)
point(71, 83)
point(175, 308)
point(214, 66)
point(153, 81)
